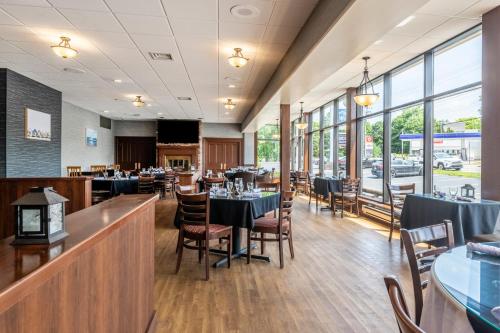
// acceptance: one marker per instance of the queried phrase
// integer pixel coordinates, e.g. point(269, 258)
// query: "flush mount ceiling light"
point(277, 134)
point(244, 11)
point(138, 102)
point(302, 123)
point(232, 86)
point(117, 81)
point(237, 59)
point(229, 105)
point(366, 97)
point(64, 49)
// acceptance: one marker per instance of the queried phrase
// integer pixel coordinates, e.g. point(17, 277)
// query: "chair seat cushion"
point(397, 213)
point(487, 238)
point(269, 225)
point(199, 230)
point(348, 195)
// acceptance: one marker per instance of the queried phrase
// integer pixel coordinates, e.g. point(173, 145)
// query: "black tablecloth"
point(468, 218)
point(242, 212)
point(324, 186)
point(116, 186)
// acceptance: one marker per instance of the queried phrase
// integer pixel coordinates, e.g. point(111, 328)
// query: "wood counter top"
point(24, 268)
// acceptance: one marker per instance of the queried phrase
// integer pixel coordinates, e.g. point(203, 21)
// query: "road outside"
point(442, 181)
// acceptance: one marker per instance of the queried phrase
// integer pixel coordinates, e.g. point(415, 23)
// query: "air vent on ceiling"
point(181, 98)
point(160, 56)
point(136, 115)
point(74, 70)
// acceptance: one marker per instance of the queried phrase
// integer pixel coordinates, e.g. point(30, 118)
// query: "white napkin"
point(496, 312)
point(484, 248)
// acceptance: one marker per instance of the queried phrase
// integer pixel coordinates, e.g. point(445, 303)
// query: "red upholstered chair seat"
point(213, 229)
point(269, 225)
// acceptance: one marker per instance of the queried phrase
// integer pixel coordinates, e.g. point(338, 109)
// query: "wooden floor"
point(334, 284)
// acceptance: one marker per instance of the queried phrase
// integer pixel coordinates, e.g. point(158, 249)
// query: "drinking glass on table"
point(250, 186)
point(239, 188)
point(230, 187)
point(453, 192)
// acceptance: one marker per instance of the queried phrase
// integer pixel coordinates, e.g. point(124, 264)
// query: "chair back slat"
point(146, 184)
point(351, 185)
point(194, 209)
point(398, 193)
point(442, 232)
point(286, 204)
point(398, 302)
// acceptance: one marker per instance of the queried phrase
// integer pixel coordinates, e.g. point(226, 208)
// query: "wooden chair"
point(97, 168)
point(248, 177)
point(348, 196)
point(280, 227)
point(74, 171)
point(406, 325)
point(420, 259)
point(170, 184)
point(301, 181)
point(482, 238)
point(397, 196)
point(310, 180)
point(209, 182)
point(195, 226)
point(146, 185)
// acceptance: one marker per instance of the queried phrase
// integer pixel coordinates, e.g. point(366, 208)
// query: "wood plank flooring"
point(334, 284)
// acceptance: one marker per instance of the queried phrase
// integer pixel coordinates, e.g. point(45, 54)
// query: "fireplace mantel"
point(175, 150)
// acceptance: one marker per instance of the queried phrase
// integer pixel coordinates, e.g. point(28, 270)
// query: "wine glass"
point(230, 187)
point(250, 186)
point(453, 192)
point(238, 188)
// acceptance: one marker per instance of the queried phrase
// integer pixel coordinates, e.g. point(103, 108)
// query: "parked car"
point(446, 161)
point(368, 162)
point(399, 168)
point(342, 163)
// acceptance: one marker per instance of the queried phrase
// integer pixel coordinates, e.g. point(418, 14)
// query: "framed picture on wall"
point(37, 125)
point(91, 137)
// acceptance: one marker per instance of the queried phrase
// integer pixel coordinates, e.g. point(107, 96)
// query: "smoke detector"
point(245, 11)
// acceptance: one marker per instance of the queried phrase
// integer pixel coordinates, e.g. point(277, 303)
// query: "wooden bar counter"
point(98, 279)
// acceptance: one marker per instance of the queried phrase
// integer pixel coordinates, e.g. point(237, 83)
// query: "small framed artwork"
point(37, 125)
point(91, 137)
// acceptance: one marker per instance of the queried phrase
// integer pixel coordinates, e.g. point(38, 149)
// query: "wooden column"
point(351, 133)
point(285, 146)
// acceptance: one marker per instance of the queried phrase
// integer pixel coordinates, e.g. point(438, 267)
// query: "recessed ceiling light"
point(150, 104)
point(380, 41)
point(105, 111)
point(405, 21)
point(159, 113)
point(117, 81)
point(232, 86)
point(136, 115)
point(184, 98)
point(245, 11)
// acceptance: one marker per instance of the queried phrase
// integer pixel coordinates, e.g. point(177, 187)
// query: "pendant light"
point(302, 123)
point(229, 105)
point(138, 102)
point(64, 49)
point(237, 59)
point(366, 97)
point(277, 134)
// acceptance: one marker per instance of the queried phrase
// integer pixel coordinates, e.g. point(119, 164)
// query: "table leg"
point(330, 202)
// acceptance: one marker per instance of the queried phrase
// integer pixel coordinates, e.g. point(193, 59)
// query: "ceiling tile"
point(14, 33)
point(280, 35)
point(265, 8)
point(6, 47)
point(7, 19)
point(450, 28)
point(153, 25)
point(421, 24)
point(105, 39)
point(37, 16)
point(194, 28)
point(134, 7)
point(246, 33)
point(90, 20)
point(445, 8)
point(191, 9)
point(291, 13)
point(95, 5)
point(479, 8)
point(38, 3)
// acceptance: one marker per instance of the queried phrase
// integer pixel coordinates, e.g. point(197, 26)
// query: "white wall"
point(134, 128)
point(74, 150)
point(221, 130)
point(249, 144)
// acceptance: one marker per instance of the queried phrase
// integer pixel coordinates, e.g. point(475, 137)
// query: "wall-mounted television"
point(178, 131)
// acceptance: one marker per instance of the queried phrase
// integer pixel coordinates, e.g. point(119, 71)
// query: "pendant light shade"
point(366, 97)
point(138, 102)
point(64, 49)
point(229, 105)
point(237, 59)
point(302, 123)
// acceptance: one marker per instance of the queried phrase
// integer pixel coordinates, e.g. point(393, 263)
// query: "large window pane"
point(457, 142)
point(458, 65)
point(341, 110)
point(341, 151)
point(315, 120)
point(268, 147)
point(372, 149)
point(328, 147)
point(327, 115)
point(378, 87)
point(407, 146)
point(407, 84)
point(315, 152)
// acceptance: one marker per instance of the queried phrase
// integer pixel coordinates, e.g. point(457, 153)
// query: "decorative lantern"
point(39, 217)
point(468, 191)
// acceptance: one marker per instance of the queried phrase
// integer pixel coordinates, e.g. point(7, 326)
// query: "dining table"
point(469, 218)
point(239, 212)
point(116, 186)
point(464, 293)
point(324, 186)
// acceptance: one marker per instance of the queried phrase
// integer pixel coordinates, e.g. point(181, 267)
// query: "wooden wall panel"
point(103, 281)
point(77, 189)
point(132, 149)
point(217, 151)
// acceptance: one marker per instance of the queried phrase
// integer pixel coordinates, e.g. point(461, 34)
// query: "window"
point(315, 152)
point(458, 64)
point(378, 87)
point(457, 142)
point(341, 110)
point(407, 84)
point(407, 146)
point(268, 147)
point(327, 115)
point(341, 151)
point(372, 165)
point(315, 120)
point(328, 148)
